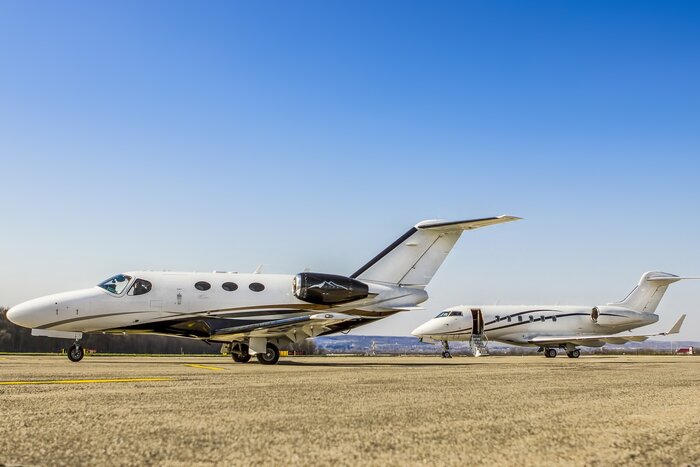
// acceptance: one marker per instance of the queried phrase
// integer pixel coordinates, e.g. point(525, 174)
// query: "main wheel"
point(240, 353)
point(75, 353)
point(550, 353)
point(576, 353)
point(270, 357)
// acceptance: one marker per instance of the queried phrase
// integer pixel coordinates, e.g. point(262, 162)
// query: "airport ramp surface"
point(350, 411)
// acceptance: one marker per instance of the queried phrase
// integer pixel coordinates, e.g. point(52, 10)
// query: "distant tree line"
point(14, 338)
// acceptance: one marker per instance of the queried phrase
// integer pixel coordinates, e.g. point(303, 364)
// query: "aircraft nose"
point(14, 314)
point(419, 331)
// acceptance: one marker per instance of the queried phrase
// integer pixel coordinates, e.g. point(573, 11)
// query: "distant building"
point(686, 350)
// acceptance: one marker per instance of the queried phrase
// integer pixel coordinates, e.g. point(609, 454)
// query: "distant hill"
point(350, 344)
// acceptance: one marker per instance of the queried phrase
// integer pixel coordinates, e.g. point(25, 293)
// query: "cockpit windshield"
point(443, 314)
point(455, 313)
point(115, 284)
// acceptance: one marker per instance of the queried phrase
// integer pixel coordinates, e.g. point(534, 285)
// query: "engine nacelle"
point(328, 289)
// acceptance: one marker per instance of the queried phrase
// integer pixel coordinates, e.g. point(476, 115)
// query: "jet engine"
point(328, 289)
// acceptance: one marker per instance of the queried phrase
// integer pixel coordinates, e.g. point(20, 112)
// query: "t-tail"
point(413, 259)
point(647, 294)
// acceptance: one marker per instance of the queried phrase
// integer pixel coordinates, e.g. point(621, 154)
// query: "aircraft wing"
point(600, 340)
point(308, 326)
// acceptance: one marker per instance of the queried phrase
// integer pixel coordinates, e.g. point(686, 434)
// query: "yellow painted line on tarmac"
point(213, 368)
point(83, 381)
point(3, 358)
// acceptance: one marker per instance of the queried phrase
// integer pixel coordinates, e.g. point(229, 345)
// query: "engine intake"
point(328, 289)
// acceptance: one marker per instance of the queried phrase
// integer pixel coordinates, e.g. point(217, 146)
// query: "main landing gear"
point(270, 357)
point(239, 353)
point(551, 352)
point(446, 350)
point(75, 352)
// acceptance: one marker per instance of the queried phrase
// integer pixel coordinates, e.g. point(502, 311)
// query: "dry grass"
point(345, 411)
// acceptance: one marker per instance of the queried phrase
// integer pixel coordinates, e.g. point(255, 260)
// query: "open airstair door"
point(478, 341)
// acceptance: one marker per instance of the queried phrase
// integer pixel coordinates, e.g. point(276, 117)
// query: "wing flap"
point(310, 325)
point(597, 341)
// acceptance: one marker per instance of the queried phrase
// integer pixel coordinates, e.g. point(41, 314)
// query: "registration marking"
point(212, 368)
point(83, 381)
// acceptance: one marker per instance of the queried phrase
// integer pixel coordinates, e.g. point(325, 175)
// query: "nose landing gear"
point(75, 352)
point(446, 350)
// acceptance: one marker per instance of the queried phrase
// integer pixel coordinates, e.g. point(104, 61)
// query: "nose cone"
point(421, 330)
point(18, 314)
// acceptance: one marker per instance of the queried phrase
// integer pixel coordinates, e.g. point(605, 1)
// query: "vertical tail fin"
point(647, 294)
point(414, 257)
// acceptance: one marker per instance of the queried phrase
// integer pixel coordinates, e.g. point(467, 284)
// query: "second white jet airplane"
point(552, 327)
point(252, 314)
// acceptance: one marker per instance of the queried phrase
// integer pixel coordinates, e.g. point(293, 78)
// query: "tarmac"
point(595, 410)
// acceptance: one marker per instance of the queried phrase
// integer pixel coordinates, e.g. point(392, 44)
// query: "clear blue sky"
point(220, 135)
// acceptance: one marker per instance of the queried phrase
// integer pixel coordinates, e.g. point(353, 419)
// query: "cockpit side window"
point(140, 287)
point(115, 284)
point(455, 313)
point(443, 314)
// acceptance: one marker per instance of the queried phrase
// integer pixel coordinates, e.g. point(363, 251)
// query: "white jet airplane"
point(251, 314)
point(553, 327)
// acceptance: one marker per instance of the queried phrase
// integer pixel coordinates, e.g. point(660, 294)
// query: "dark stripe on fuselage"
point(561, 315)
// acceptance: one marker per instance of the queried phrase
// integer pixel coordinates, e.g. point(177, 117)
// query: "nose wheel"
point(75, 353)
point(446, 350)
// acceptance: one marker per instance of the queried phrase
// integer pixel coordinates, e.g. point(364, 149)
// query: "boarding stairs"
point(478, 344)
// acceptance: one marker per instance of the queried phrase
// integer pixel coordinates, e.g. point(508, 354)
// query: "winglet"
point(677, 327)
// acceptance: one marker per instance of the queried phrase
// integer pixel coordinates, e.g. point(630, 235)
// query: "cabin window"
point(554, 318)
point(229, 286)
point(115, 284)
point(498, 318)
point(201, 285)
point(443, 314)
point(532, 319)
point(455, 313)
point(140, 287)
point(256, 287)
point(509, 319)
point(520, 317)
point(542, 318)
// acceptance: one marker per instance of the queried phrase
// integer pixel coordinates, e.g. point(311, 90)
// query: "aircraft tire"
point(240, 354)
point(270, 357)
point(550, 353)
point(446, 354)
point(576, 353)
point(75, 353)
point(238, 358)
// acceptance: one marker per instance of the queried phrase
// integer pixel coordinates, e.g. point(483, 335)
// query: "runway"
point(350, 411)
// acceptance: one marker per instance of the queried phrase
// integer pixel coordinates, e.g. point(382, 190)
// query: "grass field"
point(350, 410)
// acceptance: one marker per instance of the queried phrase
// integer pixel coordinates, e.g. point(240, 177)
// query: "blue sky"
point(222, 135)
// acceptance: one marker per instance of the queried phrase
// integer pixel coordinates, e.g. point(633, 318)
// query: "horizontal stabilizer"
point(414, 258)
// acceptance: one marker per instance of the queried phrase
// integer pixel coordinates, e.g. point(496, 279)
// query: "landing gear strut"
point(75, 352)
point(576, 353)
point(446, 350)
point(239, 353)
point(550, 352)
point(270, 357)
